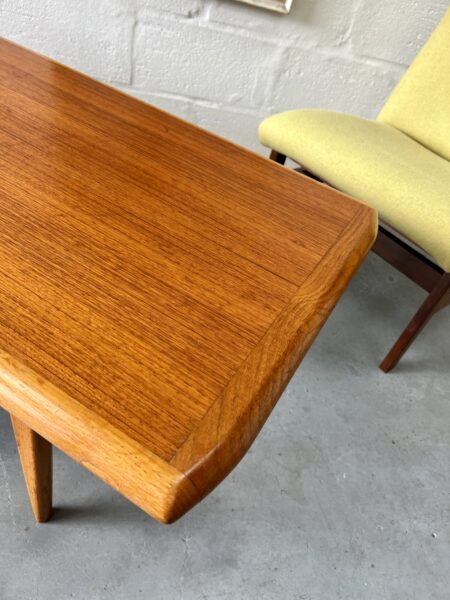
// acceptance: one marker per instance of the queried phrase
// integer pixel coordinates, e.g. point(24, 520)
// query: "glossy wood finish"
point(159, 285)
point(234, 420)
point(128, 466)
point(36, 457)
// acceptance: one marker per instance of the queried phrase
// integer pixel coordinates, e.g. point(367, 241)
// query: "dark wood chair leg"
point(438, 298)
point(36, 458)
point(277, 157)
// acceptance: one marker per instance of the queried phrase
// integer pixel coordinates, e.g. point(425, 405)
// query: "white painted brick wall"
point(185, 57)
point(94, 37)
point(226, 65)
point(343, 84)
point(404, 25)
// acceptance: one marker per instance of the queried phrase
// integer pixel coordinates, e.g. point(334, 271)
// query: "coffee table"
point(159, 285)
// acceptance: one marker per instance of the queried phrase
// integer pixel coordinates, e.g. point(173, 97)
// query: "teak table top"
point(158, 284)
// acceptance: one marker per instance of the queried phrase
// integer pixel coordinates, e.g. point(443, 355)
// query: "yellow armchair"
point(398, 164)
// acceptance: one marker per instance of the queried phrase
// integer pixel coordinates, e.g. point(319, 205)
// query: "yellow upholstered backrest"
point(420, 104)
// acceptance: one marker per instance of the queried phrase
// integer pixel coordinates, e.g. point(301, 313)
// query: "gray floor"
point(345, 494)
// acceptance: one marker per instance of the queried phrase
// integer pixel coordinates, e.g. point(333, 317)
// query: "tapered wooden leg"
point(437, 299)
point(277, 157)
point(36, 458)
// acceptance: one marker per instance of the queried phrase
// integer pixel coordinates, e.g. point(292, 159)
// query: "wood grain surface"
point(36, 457)
point(158, 284)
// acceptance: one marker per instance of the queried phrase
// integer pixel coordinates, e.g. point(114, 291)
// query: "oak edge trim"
point(220, 441)
point(157, 487)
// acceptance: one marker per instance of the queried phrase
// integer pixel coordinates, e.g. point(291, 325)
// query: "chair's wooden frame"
point(418, 267)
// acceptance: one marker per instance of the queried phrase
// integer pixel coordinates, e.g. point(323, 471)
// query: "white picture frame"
point(281, 6)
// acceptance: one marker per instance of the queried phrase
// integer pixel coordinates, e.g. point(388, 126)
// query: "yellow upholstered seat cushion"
point(408, 184)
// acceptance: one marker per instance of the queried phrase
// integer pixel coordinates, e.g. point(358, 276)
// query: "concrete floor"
point(344, 496)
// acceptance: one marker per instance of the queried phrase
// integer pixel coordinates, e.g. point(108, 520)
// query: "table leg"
point(36, 457)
